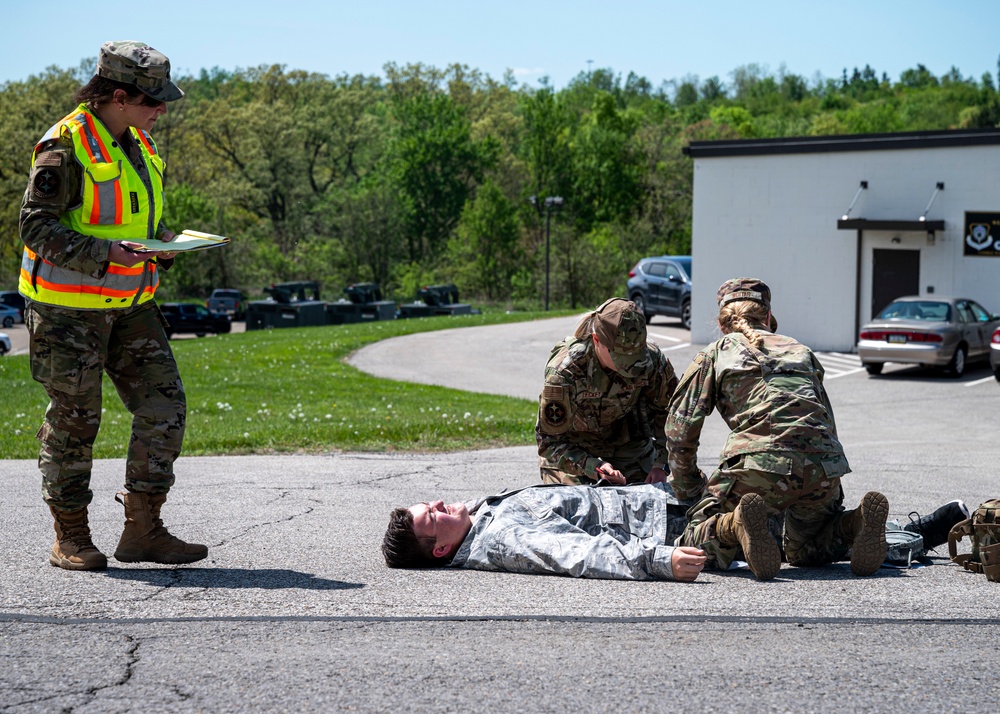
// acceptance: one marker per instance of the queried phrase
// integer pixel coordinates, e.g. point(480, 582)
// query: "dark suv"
point(185, 317)
point(662, 286)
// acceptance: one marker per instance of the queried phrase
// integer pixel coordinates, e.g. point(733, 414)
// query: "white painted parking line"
point(675, 347)
point(843, 374)
point(663, 337)
point(839, 357)
point(979, 381)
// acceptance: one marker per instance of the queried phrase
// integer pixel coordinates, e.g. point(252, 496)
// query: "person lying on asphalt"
point(617, 532)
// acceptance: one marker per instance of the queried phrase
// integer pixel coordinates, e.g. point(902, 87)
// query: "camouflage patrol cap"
point(621, 326)
point(138, 64)
point(744, 289)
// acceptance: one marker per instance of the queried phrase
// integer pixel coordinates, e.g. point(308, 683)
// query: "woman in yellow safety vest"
point(95, 192)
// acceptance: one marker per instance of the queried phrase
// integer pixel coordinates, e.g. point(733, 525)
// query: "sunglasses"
point(148, 101)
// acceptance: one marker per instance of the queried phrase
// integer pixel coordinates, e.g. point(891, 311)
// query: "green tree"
point(438, 166)
point(486, 252)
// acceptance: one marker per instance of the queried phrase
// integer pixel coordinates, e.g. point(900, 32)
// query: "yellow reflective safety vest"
point(115, 205)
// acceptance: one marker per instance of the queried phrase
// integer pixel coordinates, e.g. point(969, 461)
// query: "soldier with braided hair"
point(782, 454)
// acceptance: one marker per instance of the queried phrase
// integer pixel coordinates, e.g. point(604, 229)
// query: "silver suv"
point(662, 286)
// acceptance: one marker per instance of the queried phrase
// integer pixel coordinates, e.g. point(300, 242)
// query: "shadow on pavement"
point(233, 578)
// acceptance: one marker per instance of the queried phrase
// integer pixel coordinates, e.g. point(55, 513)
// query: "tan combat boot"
point(145, 539)
point(73, 549)
point(864, 529)
point(747, 527)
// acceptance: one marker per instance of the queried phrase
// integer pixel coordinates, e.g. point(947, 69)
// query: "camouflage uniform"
point(587, 416)
point(620, 533)
point(71, 348)
point(783, 445)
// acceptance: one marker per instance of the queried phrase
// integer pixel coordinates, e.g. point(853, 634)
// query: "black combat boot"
point(935, 526)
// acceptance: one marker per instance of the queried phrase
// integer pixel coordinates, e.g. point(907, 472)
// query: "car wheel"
point(8, 321)
point(996, 373)
point(686, 315)
point(200, 334)
point(641, 304)
point(957, 365)
point(873, 367)
point(3, 351)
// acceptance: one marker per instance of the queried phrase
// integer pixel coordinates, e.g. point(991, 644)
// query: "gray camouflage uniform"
point(72, 348)
point(620, 532)
point(783, 445)
point(588, 416)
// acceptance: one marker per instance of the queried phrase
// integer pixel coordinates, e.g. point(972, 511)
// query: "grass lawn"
point(289, 390)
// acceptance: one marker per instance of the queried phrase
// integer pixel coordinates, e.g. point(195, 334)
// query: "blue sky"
point(659, 40)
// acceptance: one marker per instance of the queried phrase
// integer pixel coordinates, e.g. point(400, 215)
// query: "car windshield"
point(686, 264)
point(927, 310)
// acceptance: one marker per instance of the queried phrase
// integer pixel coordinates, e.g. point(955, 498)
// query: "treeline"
point(425, 175)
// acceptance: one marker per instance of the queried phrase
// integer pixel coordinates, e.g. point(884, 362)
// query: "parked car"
point(931, 331)
point(995, 353)
point(232, 302)
point(9, 315)
point(189, 317)
point(5, 345)
point(12, 298)
point(662, 286)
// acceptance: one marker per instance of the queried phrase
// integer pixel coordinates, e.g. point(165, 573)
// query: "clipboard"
point(183, 242)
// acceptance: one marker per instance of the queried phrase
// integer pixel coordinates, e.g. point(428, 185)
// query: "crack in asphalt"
point(131, 659)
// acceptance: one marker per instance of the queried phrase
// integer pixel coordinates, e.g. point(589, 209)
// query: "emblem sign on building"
point(982, 234)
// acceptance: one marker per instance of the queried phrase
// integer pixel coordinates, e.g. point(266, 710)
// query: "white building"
point(838, 226)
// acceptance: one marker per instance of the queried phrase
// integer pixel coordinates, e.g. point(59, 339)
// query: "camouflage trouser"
point(634, 459)
point(70, 351)
point(804, 487)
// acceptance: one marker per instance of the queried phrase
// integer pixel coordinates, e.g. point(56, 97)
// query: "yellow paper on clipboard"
point(183, 242)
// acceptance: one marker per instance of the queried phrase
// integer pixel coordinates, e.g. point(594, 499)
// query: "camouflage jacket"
point(583, 410)
point(615, 533)
point(771, 398)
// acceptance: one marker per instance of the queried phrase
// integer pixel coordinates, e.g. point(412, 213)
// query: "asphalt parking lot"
point(294, 610)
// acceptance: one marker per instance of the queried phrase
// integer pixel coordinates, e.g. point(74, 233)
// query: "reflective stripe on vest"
point(115, 205)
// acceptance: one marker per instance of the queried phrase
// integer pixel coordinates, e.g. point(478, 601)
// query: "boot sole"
point(760, 550)
point(161, 560)
point(65, 564)
point(868, 549)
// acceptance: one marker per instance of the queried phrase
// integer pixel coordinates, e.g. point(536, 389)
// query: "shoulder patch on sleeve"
point(553, 410)
point(47, 186)
point(693, 368)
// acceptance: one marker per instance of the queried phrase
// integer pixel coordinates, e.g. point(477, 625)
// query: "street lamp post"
point(549, 204)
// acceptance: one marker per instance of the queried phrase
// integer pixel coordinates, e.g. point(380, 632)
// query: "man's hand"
point(611, 474)
point(166, 237)
point(687, 563)
point(657, 475)
point(128, 253)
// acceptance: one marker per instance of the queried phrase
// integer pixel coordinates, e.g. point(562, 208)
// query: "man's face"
point(446, 524)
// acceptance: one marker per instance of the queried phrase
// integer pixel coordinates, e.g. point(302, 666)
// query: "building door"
point(894, 273)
